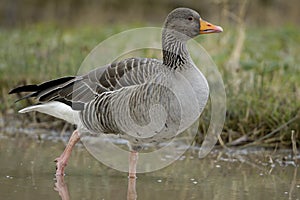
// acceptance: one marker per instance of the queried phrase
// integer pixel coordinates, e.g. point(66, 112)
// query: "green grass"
point(261, 97)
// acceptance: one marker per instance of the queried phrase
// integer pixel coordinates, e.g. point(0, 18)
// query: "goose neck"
point(175, 53)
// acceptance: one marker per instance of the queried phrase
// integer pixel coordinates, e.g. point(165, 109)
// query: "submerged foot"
point(61, 163)
point(62, 160)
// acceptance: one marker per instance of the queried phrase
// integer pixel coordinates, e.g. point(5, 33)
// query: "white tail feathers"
point(55, 109)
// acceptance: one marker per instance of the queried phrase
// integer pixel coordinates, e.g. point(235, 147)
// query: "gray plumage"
point(141, 99)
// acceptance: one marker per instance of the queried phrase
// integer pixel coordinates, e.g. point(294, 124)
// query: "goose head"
point(187, 22)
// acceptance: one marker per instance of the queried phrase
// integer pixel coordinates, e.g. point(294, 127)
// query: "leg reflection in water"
point(131, 191)
point(62, 188)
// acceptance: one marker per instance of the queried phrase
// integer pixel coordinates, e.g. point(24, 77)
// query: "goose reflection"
point(62, 188)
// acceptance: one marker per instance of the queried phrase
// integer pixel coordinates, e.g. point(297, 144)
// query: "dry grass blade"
point(294, 146)
point(273, 132)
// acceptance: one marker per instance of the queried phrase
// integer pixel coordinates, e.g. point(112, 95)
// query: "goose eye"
point(190, 18)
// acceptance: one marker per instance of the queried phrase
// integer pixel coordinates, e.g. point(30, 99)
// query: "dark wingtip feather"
point(25, 88)
point(42, 86)
point(26, 96)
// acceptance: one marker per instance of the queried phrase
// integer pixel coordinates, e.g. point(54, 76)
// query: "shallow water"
point(27, 172)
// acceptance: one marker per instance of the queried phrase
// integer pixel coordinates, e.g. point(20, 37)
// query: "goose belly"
point(192, 89)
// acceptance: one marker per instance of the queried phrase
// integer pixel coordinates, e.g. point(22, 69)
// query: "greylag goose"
point(121, 98)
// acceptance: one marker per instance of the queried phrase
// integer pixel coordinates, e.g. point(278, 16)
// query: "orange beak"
point(206, 27)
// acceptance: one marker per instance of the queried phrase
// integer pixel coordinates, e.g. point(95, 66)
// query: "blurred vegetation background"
point(257, 55)
point(95, 12)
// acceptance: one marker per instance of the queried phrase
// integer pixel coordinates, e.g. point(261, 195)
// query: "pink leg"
point(133, 157)
point(62, 160)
